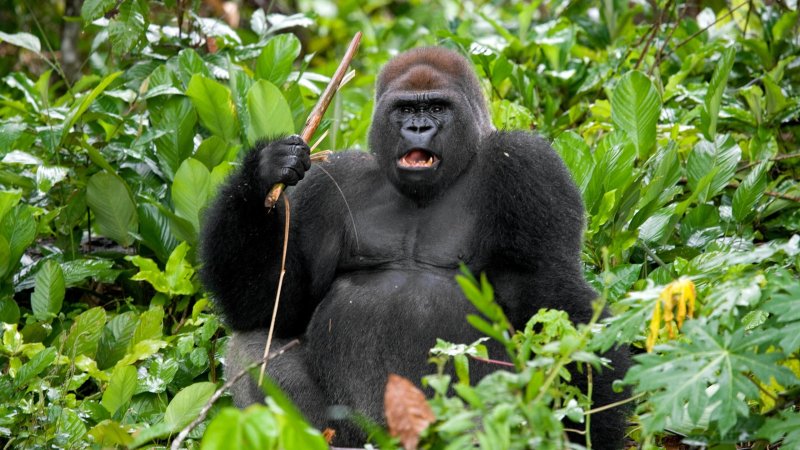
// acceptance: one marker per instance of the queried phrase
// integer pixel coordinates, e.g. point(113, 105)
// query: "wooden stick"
point(319, 110)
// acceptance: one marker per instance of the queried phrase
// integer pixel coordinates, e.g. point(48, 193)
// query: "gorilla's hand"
point(283, 161)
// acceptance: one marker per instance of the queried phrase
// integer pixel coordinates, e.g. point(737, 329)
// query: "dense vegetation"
point(679, 122)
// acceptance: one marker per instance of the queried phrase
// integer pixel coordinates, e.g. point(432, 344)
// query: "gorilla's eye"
point(436, 109)
point(406, 110)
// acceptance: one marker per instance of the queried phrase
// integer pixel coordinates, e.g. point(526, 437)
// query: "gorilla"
point(376, 240)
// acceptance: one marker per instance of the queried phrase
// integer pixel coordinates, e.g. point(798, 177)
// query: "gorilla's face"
point(423, 139)
point(429, 118)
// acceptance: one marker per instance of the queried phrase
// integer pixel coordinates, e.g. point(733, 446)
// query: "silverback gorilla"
point(370, 270)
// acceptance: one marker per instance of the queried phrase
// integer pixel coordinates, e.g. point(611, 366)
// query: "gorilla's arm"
point(242, 243)
point(537, 228)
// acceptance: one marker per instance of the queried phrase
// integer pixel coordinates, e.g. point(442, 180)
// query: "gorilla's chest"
point(395, 234)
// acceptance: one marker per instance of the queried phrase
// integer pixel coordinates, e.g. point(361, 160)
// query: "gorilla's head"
point(430, 116)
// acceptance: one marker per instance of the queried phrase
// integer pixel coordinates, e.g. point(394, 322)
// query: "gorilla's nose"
point(418, 130)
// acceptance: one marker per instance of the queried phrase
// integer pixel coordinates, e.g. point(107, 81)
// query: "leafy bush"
point(679, 125)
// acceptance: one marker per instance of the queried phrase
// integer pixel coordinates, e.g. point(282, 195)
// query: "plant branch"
point(613, 405)
point(315, 117)
point(286, 223)
point(704, 29)
point(176, 444)
point(776, 158)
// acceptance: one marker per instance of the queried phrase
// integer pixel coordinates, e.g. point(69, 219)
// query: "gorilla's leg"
point(288, 370)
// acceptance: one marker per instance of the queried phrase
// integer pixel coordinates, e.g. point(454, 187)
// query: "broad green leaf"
point(211, 152)
point(114, 209)
point(49, 292)
point(77, 111)
point(577, 156)
point(9, 311)
point(275, 62)
point(24, 40)
point(18, 228)
point(149, 271)
point(38, 363)
point(150, 326)
point(635, 108)
point(95, 9)
point(716, 87)
point(8, 200)
point(5, 257)
point(750, 191)
point(128, 28)
point(214, 106)
point(177, 117)
point(84, 334)
point(187, 403)
point(114, 341)
point(142, 351)
point(218, 176)
point(658, 226)
point(111, 434)
point(155, 231)
point(120, 388)
point(714, 161)
point(179, 271)
point(190, 190)
point(190, 63)
point(255, 427)
point(269, 112)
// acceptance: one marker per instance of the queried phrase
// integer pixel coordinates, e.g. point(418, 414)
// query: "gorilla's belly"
point(373, 323)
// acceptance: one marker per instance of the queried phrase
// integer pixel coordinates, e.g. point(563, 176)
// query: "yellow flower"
point(681, 294)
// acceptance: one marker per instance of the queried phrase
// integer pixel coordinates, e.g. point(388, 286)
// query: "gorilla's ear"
point(431, 68)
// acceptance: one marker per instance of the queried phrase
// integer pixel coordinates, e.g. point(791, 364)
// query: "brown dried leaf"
point(328, 434)
point(407, 412)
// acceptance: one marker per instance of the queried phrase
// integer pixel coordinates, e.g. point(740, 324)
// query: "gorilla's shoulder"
point(341, 169)
point(522, 154)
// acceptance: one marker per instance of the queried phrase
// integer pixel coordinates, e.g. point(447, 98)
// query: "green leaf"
point(179, 271)
point(49, 292)
point(77, 111)
point(190, 191)
point(716, 87)
point(120, 388)
point(95, 9)
point(150, 326)
point(128, 28)
point(275, 61)
point(5, 257)
point(750, 191)
point(255, 427)
point(9, 311)
point(635, 108)
point(155, 231)
point(18, 228)
point(211, 152)
point(269, 112)
point(24, 40)
point(711, 165)
point(187, 403)
point(577, 156)
point(38, 363)
point(84, 334)
point(177, 118)
point(114, 341)
point(113, 207)
point(190, 63)
point(110, 434)
point(214, 105)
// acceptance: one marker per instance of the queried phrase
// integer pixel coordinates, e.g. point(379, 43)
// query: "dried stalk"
point(319, 110)
point(184, 433)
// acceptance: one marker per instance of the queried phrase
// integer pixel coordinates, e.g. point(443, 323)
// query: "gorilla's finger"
point(290, 176)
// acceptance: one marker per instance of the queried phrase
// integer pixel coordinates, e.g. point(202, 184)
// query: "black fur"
point(370, 271)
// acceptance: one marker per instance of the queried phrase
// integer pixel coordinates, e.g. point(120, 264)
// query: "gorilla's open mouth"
point(418, 158)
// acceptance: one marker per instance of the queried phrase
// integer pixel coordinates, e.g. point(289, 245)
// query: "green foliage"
point(679, 127)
